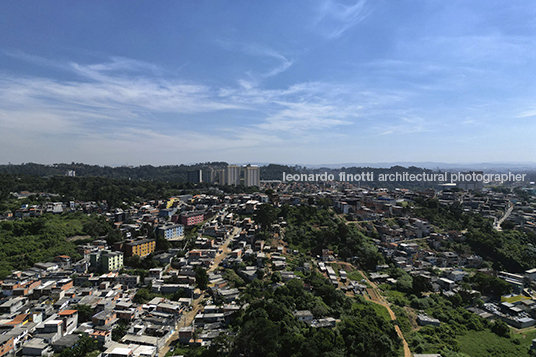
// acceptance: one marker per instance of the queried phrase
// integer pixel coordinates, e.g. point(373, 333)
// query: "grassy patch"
point(380, 310)
point(299, 273)
point(355, 275)
point(183, 350)
point(402, 319)
point(486, 344)
point(336, 268)
point(422, 243)
point(393, 296)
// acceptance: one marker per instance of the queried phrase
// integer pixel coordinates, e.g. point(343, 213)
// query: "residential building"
point(141, 247)
point(171, 231)
point(471, 183)
point(70, 320)
point(192, 218)
point(208, 175)
point(13, 305)
point(251, 176)
point(6, 344)
point(106, 261)
point(195, 176)
point(232, 175)
point(303, 315)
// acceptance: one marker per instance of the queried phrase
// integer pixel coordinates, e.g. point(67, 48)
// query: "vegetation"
point(83, 347)
point(201, 278)
point(171, 173)
point(268, 327)
point(85, 312)
point(114, 191)
point(311, 229)
point(142, 265)
point(26, 242)
point(265, 215)
point(487, 284)
point(179, 173)
point(509, 250)
point(462, 331)
point(486, 343)
point(119, 332)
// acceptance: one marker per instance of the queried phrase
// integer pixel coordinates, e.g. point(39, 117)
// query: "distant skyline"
point(311, 82)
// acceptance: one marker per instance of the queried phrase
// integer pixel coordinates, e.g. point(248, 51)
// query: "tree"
point(276, 277)
point(162, 243)
point(456, 300)
point(421, 284)
point(500, 328)
point(119, 331)
point(221, 345)
point(258, 337)
point(83, 346)
point(201, 278)
point(260, 273)
point(85, 312)
point(142, 296)
point(265, 215)
point(113, 236)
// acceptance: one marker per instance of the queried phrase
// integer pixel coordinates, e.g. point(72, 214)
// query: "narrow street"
point(187, 319)
point(497, 226)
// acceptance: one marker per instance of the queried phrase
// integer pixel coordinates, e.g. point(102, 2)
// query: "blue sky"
point(309, 82)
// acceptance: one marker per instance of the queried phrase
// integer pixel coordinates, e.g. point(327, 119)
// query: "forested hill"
point(179, 173)
point(169, 173)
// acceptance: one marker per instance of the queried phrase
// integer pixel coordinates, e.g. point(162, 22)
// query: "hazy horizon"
point(424, 165)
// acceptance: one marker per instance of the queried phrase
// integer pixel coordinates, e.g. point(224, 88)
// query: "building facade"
point(192, 218)
point(170, 231)
point(106, 260)
point(251, 176)
point(141, 248)
point(232, 175)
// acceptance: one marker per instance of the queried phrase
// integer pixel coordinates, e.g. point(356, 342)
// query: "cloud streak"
point(120, 103)
point(335, 18)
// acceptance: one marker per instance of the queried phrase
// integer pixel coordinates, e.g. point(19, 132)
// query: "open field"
point(487, 344)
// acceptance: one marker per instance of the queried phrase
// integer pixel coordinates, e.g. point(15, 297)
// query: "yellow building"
point(140, 247)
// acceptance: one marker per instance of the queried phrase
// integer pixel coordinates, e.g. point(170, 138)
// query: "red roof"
point(67, 312)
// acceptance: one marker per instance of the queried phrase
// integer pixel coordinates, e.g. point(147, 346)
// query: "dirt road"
point(186, 320)
point(225, 250)
point(377, 298)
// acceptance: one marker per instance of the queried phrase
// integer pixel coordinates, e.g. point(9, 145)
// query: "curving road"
point(497, 226)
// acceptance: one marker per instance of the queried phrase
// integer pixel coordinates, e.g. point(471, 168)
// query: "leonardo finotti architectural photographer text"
point(406, 177)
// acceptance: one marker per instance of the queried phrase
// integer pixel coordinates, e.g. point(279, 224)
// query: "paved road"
point(504, 217)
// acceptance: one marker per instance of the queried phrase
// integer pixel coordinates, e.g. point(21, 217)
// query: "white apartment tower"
point(251, 175)
point(232, 175)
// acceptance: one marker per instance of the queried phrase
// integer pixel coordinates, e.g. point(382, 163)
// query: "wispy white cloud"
point(126, 64)
point(262, 69)
point(404, 126)
point(335, 18)
point(472, 50)
point(107, 91)
point(119, 104)
point(527, 113)
point(300, 117)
